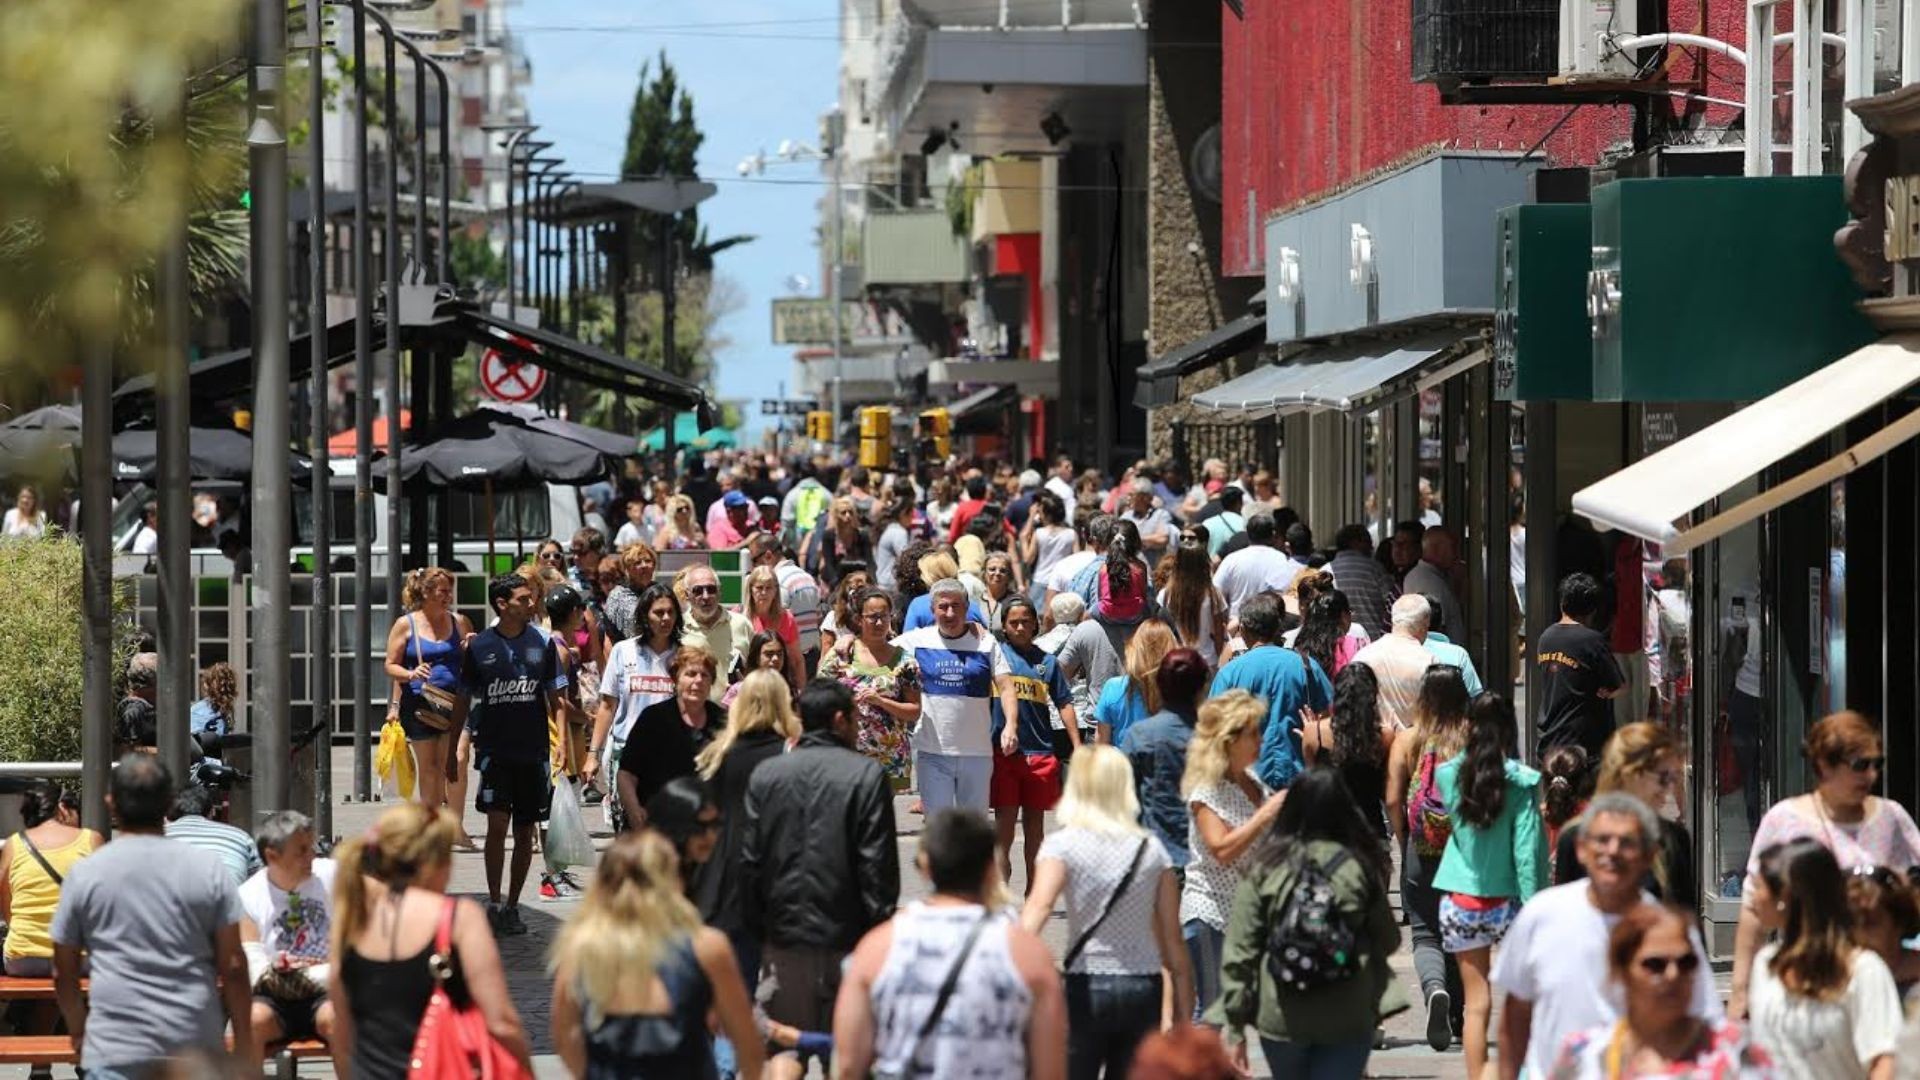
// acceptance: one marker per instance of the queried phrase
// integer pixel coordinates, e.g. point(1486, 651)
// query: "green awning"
point(687, 433)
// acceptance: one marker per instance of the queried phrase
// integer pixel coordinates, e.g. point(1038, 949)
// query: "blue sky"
point(759, 72)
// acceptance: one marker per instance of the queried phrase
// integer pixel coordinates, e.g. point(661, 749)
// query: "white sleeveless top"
point(982, 1035)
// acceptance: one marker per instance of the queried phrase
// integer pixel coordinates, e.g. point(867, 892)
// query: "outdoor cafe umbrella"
point(40, 443)
point(606, 442)
point(488, 449)
point(212, 454)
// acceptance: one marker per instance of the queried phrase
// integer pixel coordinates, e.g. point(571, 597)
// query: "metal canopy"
point(1158, 380)
point(611, 202)
point(575, 359)
point(230, 374)
point(1344, 377)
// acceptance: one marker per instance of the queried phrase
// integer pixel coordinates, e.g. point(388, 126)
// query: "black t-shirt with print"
point(1575, 667)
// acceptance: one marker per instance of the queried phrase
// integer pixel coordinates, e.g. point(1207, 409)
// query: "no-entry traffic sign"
point(509, 380)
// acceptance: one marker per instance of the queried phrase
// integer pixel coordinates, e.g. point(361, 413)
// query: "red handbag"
point(454, 1043)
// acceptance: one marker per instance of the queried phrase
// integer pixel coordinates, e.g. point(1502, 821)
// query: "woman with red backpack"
point(1421, 827)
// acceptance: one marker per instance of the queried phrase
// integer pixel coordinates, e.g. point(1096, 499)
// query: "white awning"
point(1344, 377)
point(1649, 497)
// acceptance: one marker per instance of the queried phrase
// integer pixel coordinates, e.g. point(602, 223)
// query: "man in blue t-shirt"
point(1284, 679)
point(511, 682)
point(1026, 774)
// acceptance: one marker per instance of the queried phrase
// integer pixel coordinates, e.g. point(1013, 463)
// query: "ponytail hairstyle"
point(1483, 775)
point(1121, 553)
point(633, 912)
point(1568, 784)
point(1320, 629)
point(40, 802)
point(413, 592)
point(406, 843)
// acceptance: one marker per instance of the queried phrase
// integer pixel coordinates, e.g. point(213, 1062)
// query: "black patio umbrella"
point(46, 418)
point(488, 448)
point(607, 442)
point(40, 443)
point(213, 454)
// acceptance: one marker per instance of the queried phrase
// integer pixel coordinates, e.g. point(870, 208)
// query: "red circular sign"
point(510, 380)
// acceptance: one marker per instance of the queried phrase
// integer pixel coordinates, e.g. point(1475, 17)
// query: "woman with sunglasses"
point(1650, 957)
point(1819, 1004)
point(551, 553)
point(682, 530)
point(885, 682)
point(1647, 761)
point(997, 572)
point(1841, 813)
point(1191, 603)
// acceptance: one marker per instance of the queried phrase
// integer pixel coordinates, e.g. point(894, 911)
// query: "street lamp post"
point(515, 133)
point(790, 151)
point(320, 673)
point(532, 148)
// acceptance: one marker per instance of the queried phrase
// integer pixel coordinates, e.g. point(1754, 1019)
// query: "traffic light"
point(936, 428)
point(820, 426)
point(876, 436)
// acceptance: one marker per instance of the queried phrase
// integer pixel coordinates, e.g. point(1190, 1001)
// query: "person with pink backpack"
point(1417, 811)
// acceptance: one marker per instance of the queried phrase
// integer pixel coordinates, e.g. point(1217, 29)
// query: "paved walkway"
point(1406, 1055)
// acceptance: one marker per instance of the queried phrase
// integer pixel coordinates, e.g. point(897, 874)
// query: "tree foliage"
point(42, 664)
point(89, 193)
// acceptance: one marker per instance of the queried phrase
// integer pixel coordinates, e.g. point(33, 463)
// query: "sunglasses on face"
point(703, 590)
point(1664, 966)
point(576, 551)
point(553, 556)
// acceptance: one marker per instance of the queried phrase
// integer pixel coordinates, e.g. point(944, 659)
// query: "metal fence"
point(1255, 443)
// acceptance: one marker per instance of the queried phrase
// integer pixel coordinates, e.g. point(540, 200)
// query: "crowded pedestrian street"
point(959, 540)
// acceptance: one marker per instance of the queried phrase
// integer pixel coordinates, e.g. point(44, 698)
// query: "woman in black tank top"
point(389, 895)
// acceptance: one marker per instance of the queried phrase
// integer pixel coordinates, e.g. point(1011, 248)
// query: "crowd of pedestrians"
point(1232, 760)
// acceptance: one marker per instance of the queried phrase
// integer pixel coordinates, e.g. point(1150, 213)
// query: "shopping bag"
point(568, 841)
point(393, 760)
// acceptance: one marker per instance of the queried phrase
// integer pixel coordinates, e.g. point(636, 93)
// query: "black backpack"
point(1311, 944)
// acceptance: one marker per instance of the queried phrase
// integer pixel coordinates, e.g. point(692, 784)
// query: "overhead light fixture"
point(931, 145)
point(1054, 128)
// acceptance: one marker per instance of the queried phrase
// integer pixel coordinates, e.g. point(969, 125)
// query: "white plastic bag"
point(568, 841)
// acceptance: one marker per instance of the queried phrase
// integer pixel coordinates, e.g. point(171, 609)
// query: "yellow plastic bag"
point(393, 761)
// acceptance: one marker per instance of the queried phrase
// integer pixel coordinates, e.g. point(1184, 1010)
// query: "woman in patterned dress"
point(885, 682)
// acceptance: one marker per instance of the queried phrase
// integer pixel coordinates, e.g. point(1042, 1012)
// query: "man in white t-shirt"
point(1553, 964)
point(287, 934)
point(961, 669)
point(1261, 566)
point(1097, 535)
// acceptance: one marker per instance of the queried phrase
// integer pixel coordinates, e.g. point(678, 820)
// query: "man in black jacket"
point(819, 860)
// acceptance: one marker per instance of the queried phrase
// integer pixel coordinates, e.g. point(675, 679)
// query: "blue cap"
point(735, 498)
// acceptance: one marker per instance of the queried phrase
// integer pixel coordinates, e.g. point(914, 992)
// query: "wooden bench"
point(59, 1049)
point(15, 988)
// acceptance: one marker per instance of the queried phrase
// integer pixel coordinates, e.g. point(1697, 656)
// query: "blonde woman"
point(682, 530)
point(1127, 699)
point(25, 519)
point(1230, 809)
point(1123, 915)
point(389, 906)
point(425, 651)
point(635, 974)
point(1647, 761)
point(764, 610)
point(760, 725)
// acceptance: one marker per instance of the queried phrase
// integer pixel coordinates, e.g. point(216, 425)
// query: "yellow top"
point(35, 895)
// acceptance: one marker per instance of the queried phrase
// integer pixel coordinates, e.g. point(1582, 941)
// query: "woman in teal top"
point(1495, 860)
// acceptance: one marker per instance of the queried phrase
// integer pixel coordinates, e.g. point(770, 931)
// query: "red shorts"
point(1028, 781)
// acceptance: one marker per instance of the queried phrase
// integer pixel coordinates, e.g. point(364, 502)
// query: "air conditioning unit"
point(1458, 41)
point(1587, 31)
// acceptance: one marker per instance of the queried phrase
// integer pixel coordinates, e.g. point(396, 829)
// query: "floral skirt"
point(1472, 922)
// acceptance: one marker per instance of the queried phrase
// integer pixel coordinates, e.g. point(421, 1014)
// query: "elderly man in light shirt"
point(1400, 660)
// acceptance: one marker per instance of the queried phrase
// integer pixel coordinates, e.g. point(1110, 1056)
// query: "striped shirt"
point(236, 849)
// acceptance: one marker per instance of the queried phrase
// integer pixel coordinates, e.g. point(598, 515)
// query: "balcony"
point(988, 75)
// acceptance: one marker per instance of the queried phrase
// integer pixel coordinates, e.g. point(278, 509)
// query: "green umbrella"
point(687, 433)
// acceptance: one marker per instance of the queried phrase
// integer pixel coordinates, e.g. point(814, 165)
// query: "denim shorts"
point(1465, 927)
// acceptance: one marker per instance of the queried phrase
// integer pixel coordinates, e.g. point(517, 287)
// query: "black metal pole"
point(420, 262)
point(392, 275)
point(363, 423)
point(320, 667)
point(270, 711)
point(669, 301)
point(96, 521)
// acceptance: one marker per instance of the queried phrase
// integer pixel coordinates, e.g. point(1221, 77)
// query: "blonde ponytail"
point(406, 842)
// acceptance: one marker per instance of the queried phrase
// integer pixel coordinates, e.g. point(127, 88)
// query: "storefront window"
point(1737, 703)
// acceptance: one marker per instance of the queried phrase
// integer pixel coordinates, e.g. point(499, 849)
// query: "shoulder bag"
point(939, 1003)
point(434, 707)
point(454, 1043)
point(1126, 880)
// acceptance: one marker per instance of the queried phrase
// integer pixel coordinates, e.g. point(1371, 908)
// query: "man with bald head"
point(1438, 553)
